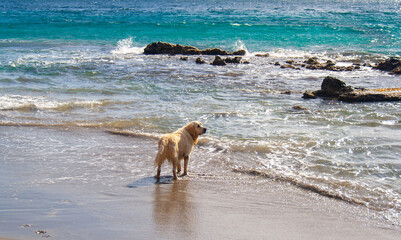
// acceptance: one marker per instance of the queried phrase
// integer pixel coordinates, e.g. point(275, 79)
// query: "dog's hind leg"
point(186, 160)
point(160, 157)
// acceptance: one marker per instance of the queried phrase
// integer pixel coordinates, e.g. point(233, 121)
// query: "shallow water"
point(70, 64)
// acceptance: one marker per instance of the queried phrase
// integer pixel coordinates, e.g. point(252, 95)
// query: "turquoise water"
point(366, 26)
point(80, 64)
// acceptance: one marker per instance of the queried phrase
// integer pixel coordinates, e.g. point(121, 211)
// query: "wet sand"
point(199, 209)
point(227, 210)
point(121, 203)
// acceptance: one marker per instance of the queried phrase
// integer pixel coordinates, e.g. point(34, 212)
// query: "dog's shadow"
point(150, 181)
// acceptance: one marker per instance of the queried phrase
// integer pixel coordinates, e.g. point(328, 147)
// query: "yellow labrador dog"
point(178, 146)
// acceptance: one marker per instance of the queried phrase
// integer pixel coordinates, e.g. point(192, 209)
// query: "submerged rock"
point(262, 55)
point(289, 66)
point(299, 108)
point(337, 89)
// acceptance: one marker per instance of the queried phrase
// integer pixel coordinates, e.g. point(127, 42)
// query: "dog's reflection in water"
point(173, 211)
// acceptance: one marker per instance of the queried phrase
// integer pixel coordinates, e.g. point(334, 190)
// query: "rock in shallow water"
point(337, 89)
point(392, 65)
point(173, 49)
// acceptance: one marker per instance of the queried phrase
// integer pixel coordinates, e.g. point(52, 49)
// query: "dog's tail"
point(161, 156)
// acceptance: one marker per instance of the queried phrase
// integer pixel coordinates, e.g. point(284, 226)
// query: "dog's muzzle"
point(204, 130)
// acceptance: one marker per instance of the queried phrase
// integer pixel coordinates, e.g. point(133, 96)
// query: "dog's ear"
point(191, 128)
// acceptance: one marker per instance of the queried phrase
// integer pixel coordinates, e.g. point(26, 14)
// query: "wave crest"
point(30, 103)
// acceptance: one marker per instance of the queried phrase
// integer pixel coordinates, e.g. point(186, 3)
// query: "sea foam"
point(126, 46)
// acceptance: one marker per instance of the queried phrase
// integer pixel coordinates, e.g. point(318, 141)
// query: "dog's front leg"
point(158, 172)
point(186, 160)
point(178, 166)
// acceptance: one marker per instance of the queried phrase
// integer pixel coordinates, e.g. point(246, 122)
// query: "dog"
point(177, 146)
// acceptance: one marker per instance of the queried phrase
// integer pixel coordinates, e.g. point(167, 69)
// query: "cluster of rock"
point(173, 49)
point(392, 65)
point(218, 61)
point(336, 89)
point(314, 64)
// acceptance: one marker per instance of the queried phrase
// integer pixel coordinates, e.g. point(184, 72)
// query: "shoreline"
point(129, 204)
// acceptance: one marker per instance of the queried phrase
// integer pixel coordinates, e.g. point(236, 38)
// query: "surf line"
point(301, 185)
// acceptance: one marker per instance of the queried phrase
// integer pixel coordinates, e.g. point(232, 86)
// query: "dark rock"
point(277, 63)
point(240, 52)
point(299, 108)
point(389, 64)
point(309, 95)
point(184, 58)
point(233, 60)
point(168, 48)
point(335, 88)
point(263, 55)
point(329, 65)
point(372, 95)
point(218, 61)
point(289, 66)
point(396, 70)
point(312, 61)
point(331, 88)
point(173, 49)
point(200, 61)
point(214, 51)
point(313, 66)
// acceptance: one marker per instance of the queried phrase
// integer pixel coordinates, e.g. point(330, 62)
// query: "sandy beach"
point(124, 201)
point(200, 209)
point(87, 88)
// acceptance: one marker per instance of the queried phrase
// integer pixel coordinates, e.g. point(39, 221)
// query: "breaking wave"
point(30, 103)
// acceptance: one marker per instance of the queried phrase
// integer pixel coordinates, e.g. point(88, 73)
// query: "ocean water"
point(80, 64)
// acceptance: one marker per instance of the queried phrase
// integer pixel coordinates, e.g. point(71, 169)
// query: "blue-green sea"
point(80, 64)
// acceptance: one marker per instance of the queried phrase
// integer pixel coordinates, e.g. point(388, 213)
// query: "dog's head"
point(195, 129)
